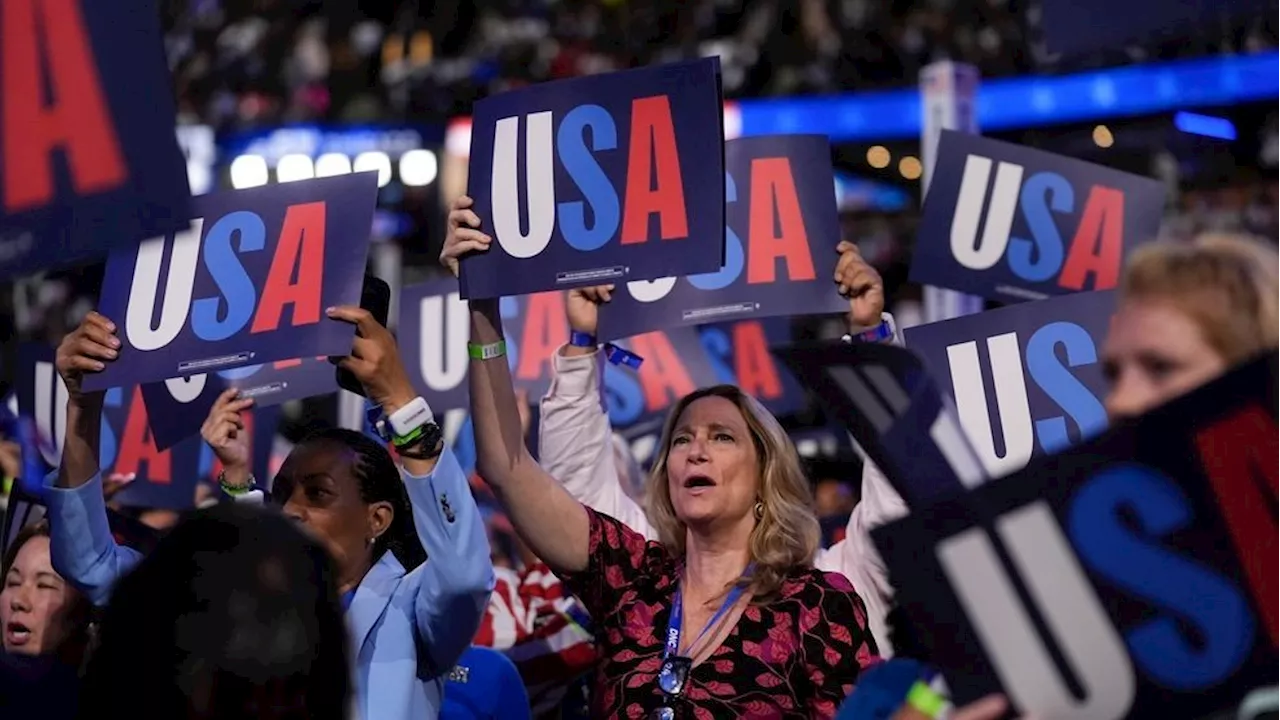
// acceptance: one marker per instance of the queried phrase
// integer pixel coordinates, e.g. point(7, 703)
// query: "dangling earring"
point(759, 509)
point(368, 541)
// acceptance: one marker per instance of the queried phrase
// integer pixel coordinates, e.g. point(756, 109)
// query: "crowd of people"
point(702, 591)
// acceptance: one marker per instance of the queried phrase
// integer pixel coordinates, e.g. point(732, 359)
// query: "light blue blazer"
point(407, 629)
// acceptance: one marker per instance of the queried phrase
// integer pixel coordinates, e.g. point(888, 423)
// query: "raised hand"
point(87, 349)
point(224, 431)
point(375, 360)
point(463, 235)
point(861, 284)
point(582, 307)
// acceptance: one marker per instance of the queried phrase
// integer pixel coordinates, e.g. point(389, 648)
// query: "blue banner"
point(88, 154)
point(780, 237)
point(1010, 223)
point(166, 478)
point(247, 283)
point(178, 407)
point(739, 354)
point(1027, 379)
point(675, 364)
point(600, 179)
point(1130, 576)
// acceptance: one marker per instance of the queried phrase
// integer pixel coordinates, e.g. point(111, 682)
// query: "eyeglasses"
point(672, 679)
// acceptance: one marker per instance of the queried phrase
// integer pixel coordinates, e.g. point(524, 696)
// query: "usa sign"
point(178, 407)
point(739, 354)
point(165, 478)
point(781, 231)
point(1011, 223)
point(246, 283)
point(598, 179)
point(88, 156)
point(1026, 379)
point(887, 401)
point(1133, 575)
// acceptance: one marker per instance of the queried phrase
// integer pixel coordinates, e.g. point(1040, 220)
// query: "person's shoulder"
point(811, 578)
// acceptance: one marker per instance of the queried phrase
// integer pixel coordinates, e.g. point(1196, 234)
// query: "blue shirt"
point(484, 684)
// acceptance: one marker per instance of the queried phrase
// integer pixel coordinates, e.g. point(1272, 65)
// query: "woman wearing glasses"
point(724, 616)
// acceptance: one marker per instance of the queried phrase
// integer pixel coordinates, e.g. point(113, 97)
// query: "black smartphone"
point(375, 296)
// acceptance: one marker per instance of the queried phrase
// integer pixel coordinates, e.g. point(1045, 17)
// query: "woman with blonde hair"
point(1186, 313)
point(724, 615)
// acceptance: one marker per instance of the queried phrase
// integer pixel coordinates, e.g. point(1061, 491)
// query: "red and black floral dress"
point(798, 656)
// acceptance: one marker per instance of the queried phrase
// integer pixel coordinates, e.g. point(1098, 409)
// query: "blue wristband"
point(582, 340)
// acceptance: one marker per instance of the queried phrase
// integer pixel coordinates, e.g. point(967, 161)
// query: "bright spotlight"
point(248, 171)
point(418, 168)
point(295, 167)
point(374, 160)
point(330, 164)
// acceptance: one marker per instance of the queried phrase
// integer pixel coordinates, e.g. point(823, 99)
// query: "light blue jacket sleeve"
point(458, 575)
point(80, 541)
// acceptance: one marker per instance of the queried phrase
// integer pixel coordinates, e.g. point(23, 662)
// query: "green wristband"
point(487, 352)
point(927, 700)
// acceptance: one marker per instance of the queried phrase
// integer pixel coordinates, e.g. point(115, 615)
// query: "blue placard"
point(166, 478)
point(780, 237)
point(178, 407)
point(887, 401)
point(435, 327)
point(1010, 223)
point(1027, 379)
point(1130, 576)
point(675, 364)
point(247, 283)
point(99, 164)
point(598, 179)
point(739, 353)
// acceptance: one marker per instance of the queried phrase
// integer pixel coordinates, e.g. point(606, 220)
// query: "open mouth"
point(694, 482)
point(16, 634)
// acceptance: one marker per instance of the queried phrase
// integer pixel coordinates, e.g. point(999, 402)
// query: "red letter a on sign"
point(137, 446)
point(773, 186)
point(77, 120)
point(1239, 456)
point(302, 247)
point(653, 153)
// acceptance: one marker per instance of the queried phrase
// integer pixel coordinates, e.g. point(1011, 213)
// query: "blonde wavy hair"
point(1227, 284)
point(787, 534)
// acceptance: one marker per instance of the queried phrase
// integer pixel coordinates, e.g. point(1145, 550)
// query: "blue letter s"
point(1041, 193)
point(590, 179)
point(1138, 564)
point(1061, 386)
point(229, 275)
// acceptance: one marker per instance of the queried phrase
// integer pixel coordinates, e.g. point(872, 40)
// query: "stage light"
point(878, 157)
point(292, 168)
point(374, 160)
point(418, 168)
point(910, 167)
point(1206, 125)
point(1102, 137)
point(331, 164)
point(248, 171)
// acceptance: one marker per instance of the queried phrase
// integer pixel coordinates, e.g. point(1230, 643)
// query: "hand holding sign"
point(583, 307)
point(464, 235)
point(859, 282)
point(83, 351)
point(375, 360)
point(224, 431)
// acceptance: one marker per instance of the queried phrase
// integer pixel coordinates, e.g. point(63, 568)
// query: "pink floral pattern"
point(796, 657)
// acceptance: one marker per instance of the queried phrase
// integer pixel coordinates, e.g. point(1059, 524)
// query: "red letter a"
point(753, 365)
point(302, 246)
point(77, 120)
point(137, 446)
point(1239, 456)
point(771, 182)
point(653, 147)
point(1097, 246)
point(663, 377)
point(543, 333)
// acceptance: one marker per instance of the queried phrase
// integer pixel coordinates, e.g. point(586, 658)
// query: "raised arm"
point(458, 575)
point(575, 438)
point(80, 542)
point(553, 524)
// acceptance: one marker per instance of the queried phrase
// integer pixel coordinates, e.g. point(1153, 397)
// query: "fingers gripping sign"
point(464, 236)
point(861, 284)
point(375, 359)
point(86, 349)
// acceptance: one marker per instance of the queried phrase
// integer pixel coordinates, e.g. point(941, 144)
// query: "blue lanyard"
point(677, 617)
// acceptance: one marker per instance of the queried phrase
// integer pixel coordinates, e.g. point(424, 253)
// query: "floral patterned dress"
point(797, 656)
